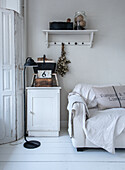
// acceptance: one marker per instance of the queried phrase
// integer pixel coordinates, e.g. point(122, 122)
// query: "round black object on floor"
point(31, 144)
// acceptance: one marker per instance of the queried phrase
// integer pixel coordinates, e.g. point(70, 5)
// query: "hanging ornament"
point(62, 64)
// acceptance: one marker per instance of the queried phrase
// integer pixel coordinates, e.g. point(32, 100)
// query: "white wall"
point(102, 64)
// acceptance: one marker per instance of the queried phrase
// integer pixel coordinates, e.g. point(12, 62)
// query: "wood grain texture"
point(43, 82)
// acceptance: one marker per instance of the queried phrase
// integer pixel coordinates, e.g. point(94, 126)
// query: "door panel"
point(7, 83)
point(19, 53)
point(7, 77)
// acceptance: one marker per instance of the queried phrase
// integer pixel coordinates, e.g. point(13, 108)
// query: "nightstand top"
point(43, 88)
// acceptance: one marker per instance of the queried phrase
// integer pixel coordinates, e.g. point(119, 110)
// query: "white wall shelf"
point(89, 43)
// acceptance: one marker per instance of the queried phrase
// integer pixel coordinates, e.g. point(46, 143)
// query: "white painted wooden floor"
point(58, 154)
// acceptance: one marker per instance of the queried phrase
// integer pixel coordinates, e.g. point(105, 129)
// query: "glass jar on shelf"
point(80, 20)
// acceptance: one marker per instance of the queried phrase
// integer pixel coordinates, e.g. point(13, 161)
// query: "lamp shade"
point(30, 62)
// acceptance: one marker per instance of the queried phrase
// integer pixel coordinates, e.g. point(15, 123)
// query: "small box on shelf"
point(61, 25)
point(45, 82)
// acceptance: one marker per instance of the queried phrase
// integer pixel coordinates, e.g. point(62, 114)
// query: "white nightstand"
point(43, 111)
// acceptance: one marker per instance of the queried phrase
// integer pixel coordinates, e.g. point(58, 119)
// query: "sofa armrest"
point(78, 112)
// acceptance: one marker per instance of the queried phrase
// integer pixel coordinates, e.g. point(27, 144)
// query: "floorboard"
point(58, 153)
point(61, 166)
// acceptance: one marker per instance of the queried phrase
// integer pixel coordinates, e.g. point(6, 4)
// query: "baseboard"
point(43, 133)
point(64, 124)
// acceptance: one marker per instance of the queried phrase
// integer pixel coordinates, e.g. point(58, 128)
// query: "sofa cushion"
point(110, 97)
point(87, 93)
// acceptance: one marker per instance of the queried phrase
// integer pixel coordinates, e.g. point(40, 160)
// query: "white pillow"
point(87, 93)
point(110, 97)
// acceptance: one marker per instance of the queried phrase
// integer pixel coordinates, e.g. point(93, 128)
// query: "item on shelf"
point(43, 82)
point(80, 20)
point(62, 64)
point(44, 59)
point(61, 25)
point(45, 64)
point(55, 80)
point(44, 73)
point(68, 20)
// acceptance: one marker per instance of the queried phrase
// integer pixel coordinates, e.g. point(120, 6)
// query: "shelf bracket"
point(91, 39)
point(47, 40)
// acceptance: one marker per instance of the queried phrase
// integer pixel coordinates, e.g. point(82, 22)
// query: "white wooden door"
point(43, 110)
point(16, 5)
point(7, 77)
point(19, 59)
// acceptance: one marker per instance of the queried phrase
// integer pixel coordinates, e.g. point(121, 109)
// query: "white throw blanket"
point(75, 98)
point(101, 129)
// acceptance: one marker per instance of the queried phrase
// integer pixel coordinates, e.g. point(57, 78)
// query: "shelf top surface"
point(69, 31)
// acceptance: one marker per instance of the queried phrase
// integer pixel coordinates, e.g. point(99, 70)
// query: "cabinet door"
point(43, 112)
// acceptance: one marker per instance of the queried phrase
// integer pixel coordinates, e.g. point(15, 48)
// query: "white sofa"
point(75, 126)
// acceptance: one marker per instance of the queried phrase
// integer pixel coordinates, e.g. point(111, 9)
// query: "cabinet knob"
point(20, 67)
point(31, 112)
